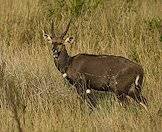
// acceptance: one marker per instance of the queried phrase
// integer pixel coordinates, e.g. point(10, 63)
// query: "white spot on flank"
point(88, 91)
point(64, 75)
point(137, 78)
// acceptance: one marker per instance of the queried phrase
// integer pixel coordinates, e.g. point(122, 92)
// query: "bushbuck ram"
point(99, 72)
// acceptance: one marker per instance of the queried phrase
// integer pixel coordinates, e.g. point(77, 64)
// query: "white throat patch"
point(64, 75)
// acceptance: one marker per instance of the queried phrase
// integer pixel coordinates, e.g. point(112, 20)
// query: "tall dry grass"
point(34, 97)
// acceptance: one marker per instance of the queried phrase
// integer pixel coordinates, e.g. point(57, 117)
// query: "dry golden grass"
point(34, 97)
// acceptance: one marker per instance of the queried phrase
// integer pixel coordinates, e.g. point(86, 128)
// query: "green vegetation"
point(34, 96)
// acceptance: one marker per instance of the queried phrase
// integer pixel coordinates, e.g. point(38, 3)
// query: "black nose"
point(54, 50)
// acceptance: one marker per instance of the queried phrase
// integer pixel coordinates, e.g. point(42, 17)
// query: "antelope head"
point(58, 42)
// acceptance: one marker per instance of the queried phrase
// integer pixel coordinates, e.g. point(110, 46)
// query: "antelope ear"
point(47, 37)
point(69, 40)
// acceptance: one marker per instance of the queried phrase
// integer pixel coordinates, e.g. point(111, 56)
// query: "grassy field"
point(34, 96)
